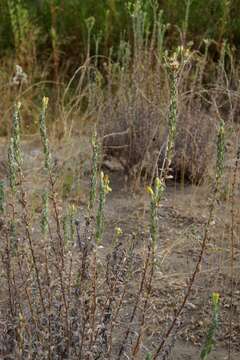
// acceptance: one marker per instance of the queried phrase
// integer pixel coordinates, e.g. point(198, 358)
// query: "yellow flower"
point(72, 208)
point(118, 231)
point(150, 190)
point(215, 298)
point(158, 183)
point(106, 182)
point(45, 102)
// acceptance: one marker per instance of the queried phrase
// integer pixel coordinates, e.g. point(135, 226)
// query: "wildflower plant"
point(95, 158)
point(16, 136)
point(208, 346)
point(155, 197)
point(117, 234)
point(104, 189)
point(44, 137)
point(14, 151)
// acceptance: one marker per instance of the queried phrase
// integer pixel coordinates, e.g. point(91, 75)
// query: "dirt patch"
point(182, 220)
point(183, 351)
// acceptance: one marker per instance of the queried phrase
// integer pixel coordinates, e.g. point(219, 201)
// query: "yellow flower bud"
point(45, 102)
point(158, 183)
point(106, 184)
point(215, 298)
point(150, 190)
point(118, 231)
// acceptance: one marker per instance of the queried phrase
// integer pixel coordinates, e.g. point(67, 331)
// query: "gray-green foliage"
point(14, 151)
point(16, 136)
point(104, 189)
point(95, 159)
point(44, 136)
point(210, 341)
point(148, 356)
point(156, 194)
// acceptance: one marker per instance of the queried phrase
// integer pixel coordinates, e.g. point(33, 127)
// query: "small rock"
point(112, 164)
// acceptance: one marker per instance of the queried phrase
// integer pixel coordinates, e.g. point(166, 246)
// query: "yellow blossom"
point(118, 231)
point(45, 102)
point(150, 190)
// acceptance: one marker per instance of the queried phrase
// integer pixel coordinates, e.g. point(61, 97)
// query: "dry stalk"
point(136, 304)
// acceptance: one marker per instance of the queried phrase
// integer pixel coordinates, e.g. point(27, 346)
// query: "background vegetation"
point(59, 28)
